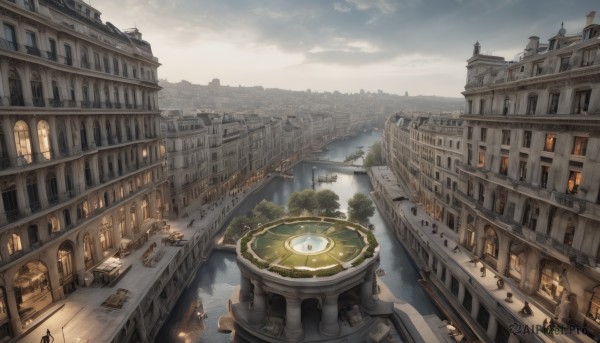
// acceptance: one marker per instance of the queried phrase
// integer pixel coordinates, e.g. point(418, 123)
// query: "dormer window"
point(564, 63)
point(588, 56)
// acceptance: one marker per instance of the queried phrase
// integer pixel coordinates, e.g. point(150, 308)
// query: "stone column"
point(475, 306)
point(11, 149)
point(15, 319)
point(41, 187)
point(245, 289)
point(461, 292)
point(329, 325)
point(257, 317)
point(366, 292)
point(503, 253)
point(293, 319)
point(492, 327)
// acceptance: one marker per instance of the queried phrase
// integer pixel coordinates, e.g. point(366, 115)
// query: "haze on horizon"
point(344, 45)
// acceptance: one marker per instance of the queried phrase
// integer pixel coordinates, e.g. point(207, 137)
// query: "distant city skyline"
point(345, 45)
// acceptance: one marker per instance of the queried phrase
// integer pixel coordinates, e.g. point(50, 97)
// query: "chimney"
point(532, 47)
point(476, 48)
point(589, 19)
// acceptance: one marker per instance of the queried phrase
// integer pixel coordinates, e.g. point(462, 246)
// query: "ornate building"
point(530, 175)
point(81, 158)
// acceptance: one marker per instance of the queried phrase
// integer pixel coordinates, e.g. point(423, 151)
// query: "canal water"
point(217, 278)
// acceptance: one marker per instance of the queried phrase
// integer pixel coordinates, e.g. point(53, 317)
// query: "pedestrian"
point(482, 270)
point(456, 249)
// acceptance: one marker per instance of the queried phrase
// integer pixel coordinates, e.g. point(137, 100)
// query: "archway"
point(32, 290)
point(491, 245)
point(66, 266)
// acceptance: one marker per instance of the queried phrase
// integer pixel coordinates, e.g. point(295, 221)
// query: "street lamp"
point(313, 174)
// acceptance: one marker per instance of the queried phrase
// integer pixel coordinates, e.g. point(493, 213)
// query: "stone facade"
point(529, 178)
point(81, 158)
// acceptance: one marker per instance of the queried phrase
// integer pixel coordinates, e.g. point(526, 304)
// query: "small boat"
point(200, 309)
point(327, 178)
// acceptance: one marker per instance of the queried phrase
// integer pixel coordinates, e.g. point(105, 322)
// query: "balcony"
point(38, 102)
point(85, 64)
point(8, 45)
point(32, 50)
point(55, 102)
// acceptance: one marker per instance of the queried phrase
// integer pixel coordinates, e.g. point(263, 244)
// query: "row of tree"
point(307, 202)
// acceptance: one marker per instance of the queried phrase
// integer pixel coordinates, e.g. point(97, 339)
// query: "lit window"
point(579, 146)
point(14, 244)
point(44, 138)
point(22, 141)
point(550, 142)
point(574, 182)
point(581, 102)
point(503, 165)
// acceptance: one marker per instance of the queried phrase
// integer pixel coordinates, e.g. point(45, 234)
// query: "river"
point(217, 278)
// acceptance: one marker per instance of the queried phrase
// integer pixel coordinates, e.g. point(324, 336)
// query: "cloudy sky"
point(419, 46)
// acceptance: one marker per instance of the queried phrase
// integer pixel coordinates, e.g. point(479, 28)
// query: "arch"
point(22, 142)
point(32, 289)
point(66, 265)
point(37, 93)
point(43, 130)
point(491, 242)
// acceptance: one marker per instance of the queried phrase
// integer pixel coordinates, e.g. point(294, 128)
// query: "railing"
point(38, 102)
point(8, 45)
point(85, 64)
point(55, 102)
point(32, 50)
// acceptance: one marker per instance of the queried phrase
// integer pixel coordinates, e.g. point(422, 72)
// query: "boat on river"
point(327, 178)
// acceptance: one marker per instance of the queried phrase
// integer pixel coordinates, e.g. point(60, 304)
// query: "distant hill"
point(277, 102)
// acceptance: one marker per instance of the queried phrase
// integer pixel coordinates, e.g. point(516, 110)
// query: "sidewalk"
point(84, 319)
point(463, 259)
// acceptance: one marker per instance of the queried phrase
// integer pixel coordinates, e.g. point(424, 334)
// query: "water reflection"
point(218, 277)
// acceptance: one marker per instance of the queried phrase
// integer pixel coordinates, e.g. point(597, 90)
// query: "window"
point(14, 244)
point(14, 87)
point(469, 154)
point(505, 137)
point(10, 37)
point(31, 44)
point(588, 56)
point(481, 195)
point(527, 139)
point(52, 188)
point(467, 301)
point(553, 103)
point(503, 165)
point(574, 182)
point(470, 107)
point(482, 106)
point(491, 242)
point(469, 132)
point(581, 102)
point(564, 63)
point(550, 142)
point(32, 192)
point(22, 142)
point(97, 65)
point(505, 106)
point(115, 66)
point(43, 131)
point(85, 62)
point(454, 285)
point(68, 56)
point(569, 233)
point(579, 146)
point(483, 134)
point(470, 188)
point(531, 104)
point(37, 94)
point(29, 4)
point(52, 55)
point(538, 68)
point(522, 170)
point(481, 161)
point(544, 176)
point(106, 64)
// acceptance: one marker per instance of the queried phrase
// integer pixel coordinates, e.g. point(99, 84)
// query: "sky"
point(397, 46)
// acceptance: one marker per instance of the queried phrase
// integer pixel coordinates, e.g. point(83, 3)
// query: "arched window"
point(145, 209)
point(36, 90)
point(22, 142)
point(109, 132)
point(62, 138)
point(137, 129)
point(117, 100)
point(107, 102)
point(67, 216)
point(128, 130)
point(85, 95)
point(106, 233)
point(491, 242)
point(14, 244)
point(44, 139)
point(66, 261)
point(96, 96)
point(55, 94)
point(14, 87)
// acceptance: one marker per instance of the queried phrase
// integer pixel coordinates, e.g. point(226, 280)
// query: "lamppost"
point(313, 174)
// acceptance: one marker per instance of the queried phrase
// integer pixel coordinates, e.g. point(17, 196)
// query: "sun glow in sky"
point(344, 45)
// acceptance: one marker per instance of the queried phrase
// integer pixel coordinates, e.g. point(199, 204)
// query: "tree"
point(360, 208)
point(237, 228)
point(267, 211)
point(327, 202)
point(374, 157)
point(302, 201)
point(355, 155)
